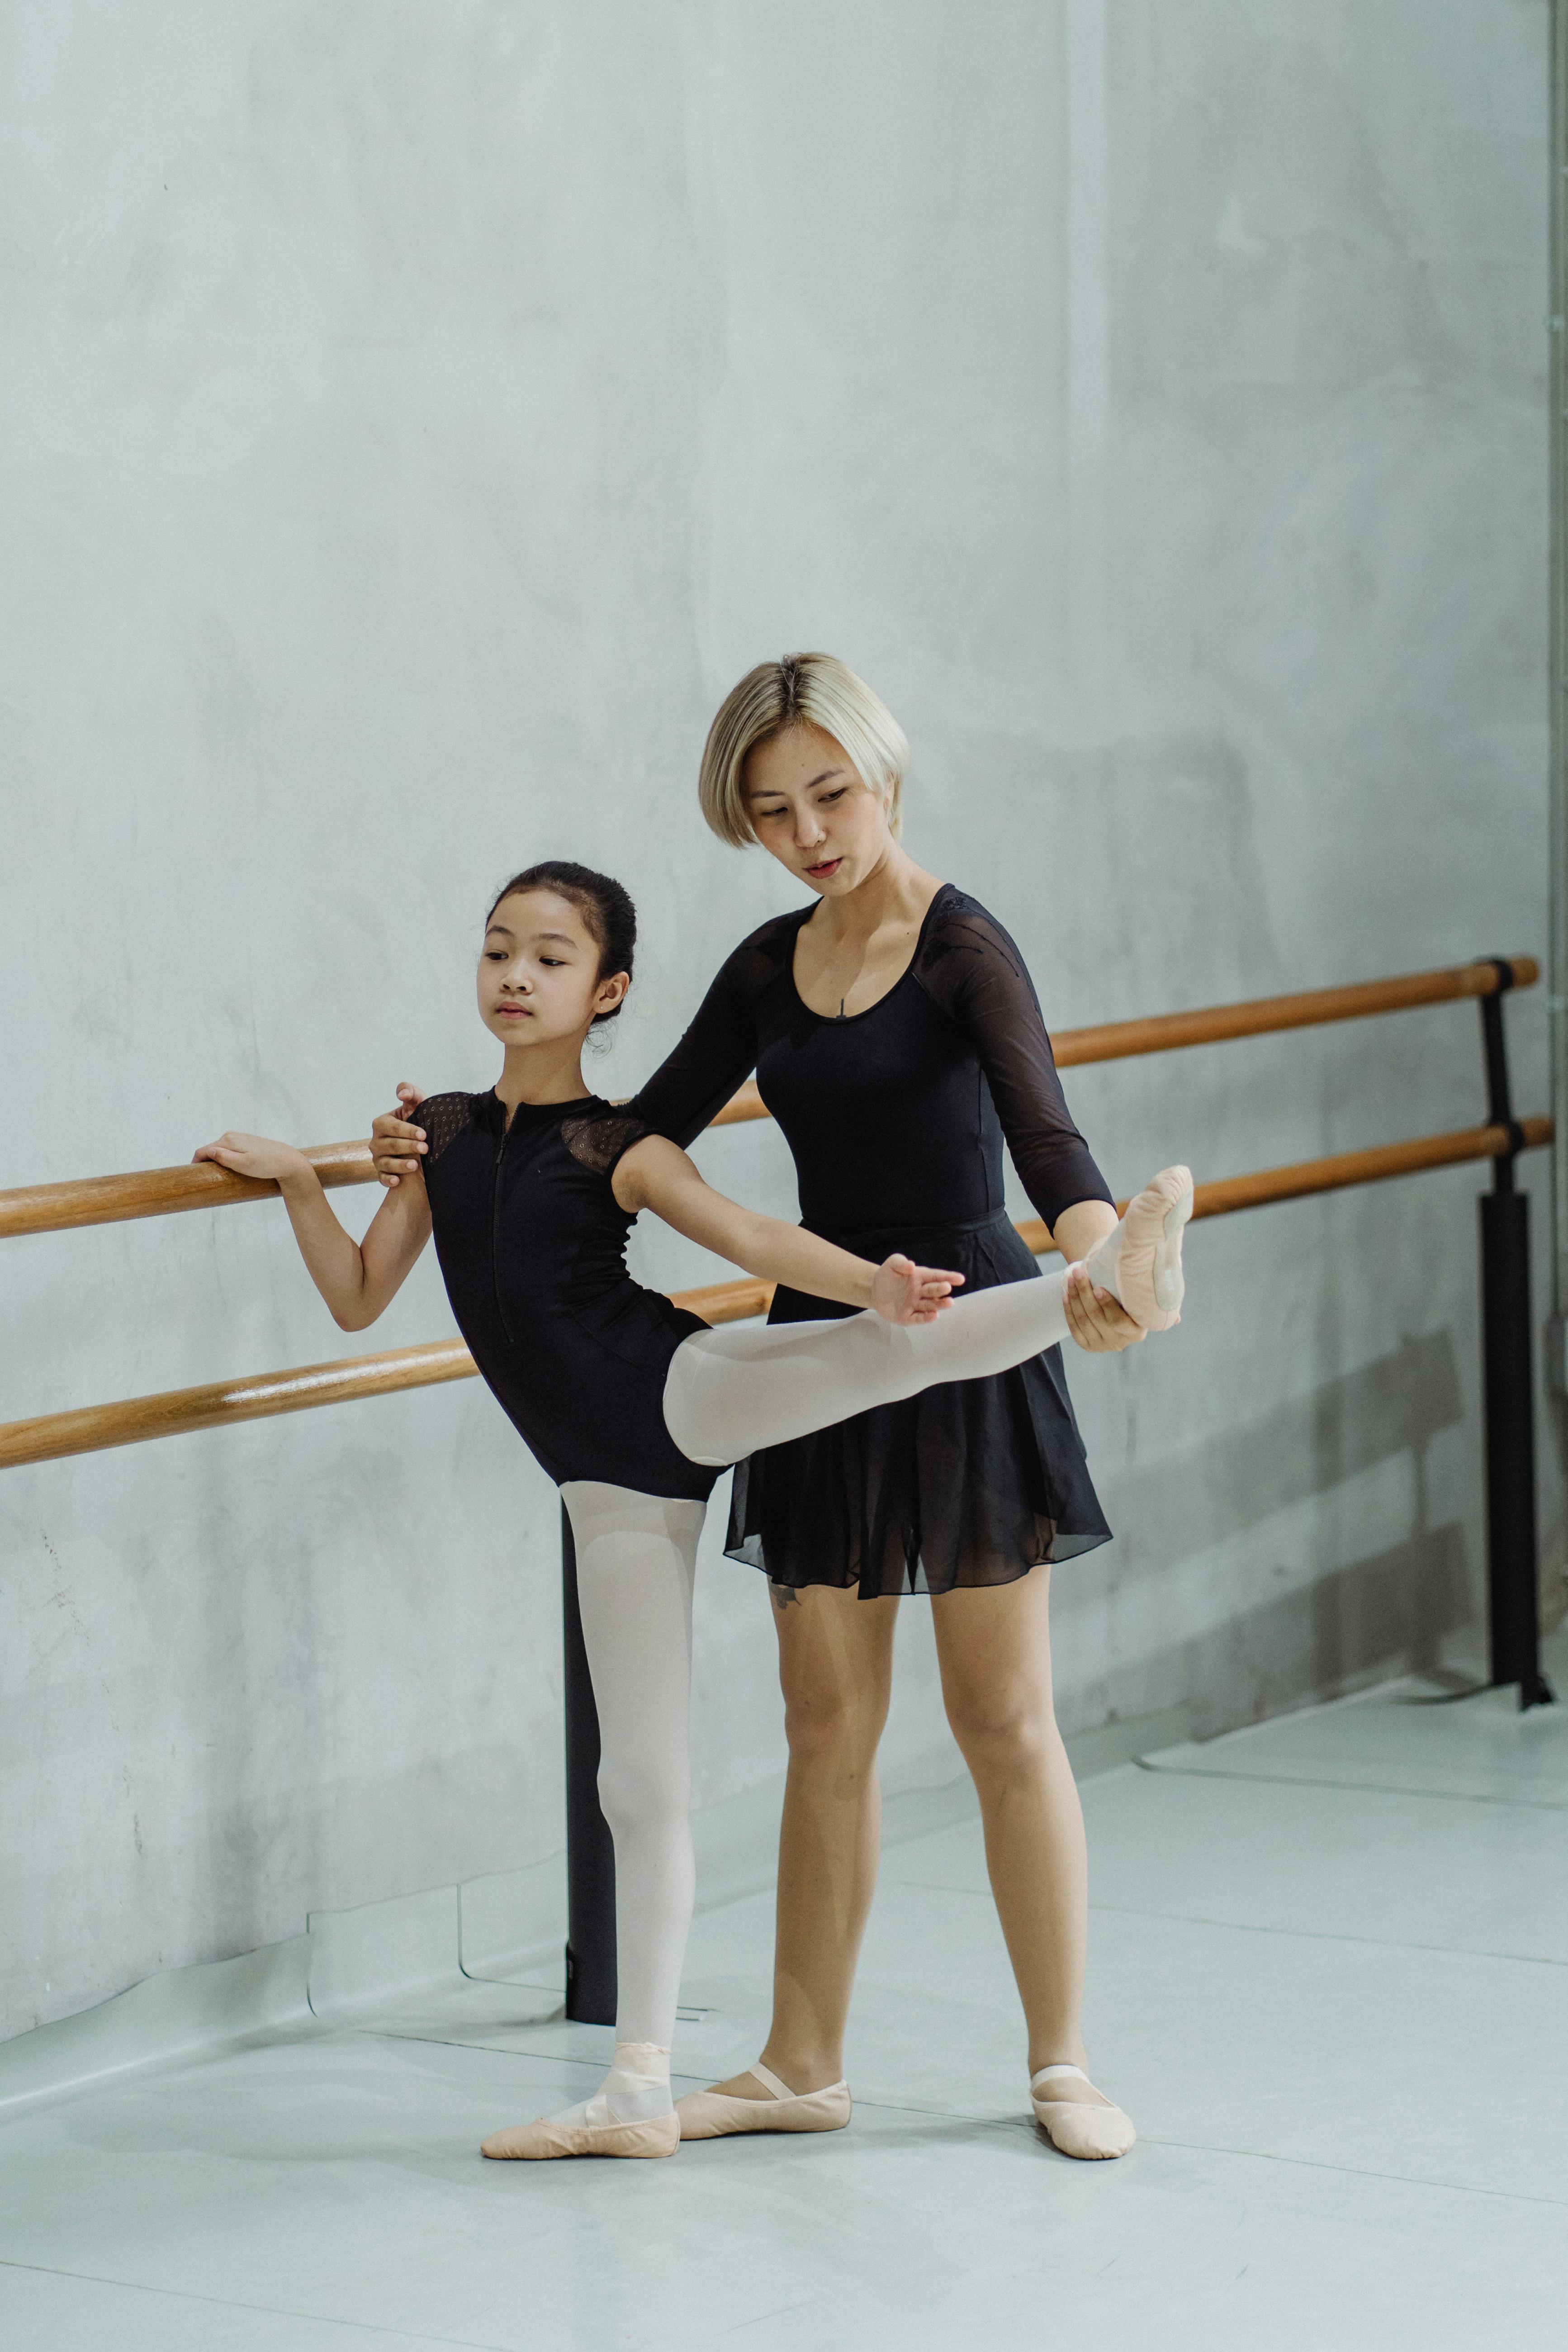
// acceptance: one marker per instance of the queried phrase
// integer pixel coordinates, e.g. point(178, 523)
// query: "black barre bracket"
point(1513, 1620)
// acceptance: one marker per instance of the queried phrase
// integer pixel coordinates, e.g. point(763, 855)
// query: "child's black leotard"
point(896, 1117)
point(532, 1243)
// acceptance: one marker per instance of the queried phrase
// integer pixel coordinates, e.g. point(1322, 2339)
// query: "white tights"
point(728, 1393)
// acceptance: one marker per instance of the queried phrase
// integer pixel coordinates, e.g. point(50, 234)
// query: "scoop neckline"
point(847, 1020)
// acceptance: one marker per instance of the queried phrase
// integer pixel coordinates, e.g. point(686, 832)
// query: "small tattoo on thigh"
point(783, 1595)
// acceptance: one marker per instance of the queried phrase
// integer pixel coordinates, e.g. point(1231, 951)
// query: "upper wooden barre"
point(161, 1191)
point(94, 1428)
point(1259, 1016)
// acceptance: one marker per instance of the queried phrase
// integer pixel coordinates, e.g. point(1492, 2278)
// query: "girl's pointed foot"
point(1086, 2128)
point(630, 2113)
point(552, 2136)
point(1141, 1262)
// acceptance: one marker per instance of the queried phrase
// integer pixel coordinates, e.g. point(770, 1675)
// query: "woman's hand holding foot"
point(1097, 1318)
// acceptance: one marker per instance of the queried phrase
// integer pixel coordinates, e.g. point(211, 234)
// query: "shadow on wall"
point(1385, 1613)
point(1381, 1615)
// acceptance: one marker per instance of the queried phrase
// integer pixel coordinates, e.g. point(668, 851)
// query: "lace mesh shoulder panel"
point(443, 1117)
point(970, 967)
point(598, 1141)
point(718, 1051)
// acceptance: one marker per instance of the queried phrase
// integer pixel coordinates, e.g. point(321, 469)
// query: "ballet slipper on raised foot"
point(658, 2136)
point(1079, 2127)
point(1142, 1260)
point(716, 2115)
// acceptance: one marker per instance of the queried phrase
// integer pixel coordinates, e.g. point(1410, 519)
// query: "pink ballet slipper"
point(716, 2115)
point(1141, 1261)
point(1079, 2127)
point(660, 2136)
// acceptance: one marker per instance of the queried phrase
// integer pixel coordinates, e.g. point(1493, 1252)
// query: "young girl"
point(634, 1406)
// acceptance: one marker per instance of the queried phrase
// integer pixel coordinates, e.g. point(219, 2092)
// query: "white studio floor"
point(1328, 1980)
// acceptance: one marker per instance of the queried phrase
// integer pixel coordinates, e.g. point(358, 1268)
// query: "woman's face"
point(539, 971)
point(810, 810)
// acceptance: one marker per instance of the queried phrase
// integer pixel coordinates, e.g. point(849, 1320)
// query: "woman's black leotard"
point(896, 1117)
point(533, 1244)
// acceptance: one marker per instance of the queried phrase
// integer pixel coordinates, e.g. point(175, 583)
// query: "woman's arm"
point(657, 1175)
point(978, 977)
point(357, 1279)
point(719, 1050)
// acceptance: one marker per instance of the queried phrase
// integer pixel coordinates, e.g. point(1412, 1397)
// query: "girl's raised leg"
point(732, 1392)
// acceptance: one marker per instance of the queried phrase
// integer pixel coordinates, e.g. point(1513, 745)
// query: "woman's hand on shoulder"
point(255, 1155)
point(1097, 1318)
point(396, 1144)
point(903, 1291)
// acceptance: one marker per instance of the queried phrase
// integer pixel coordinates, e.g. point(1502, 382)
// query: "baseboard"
point(509, 1927)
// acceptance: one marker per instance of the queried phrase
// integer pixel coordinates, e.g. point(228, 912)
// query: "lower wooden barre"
point(95, 1428)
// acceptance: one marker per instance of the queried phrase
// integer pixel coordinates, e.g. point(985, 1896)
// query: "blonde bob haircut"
point(804, 689)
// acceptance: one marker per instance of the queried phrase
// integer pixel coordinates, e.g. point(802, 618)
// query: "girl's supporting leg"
point(835, 1664)
point(731, 1392)
point(636, 1561)
point(994, 1647)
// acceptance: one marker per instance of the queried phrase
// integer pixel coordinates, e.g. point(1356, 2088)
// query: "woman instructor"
point(898, 1041)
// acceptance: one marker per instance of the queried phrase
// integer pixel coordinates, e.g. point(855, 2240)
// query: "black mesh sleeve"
point(718, 1051)
point(975, 972)
point(601, 1142)
point(442, 1116)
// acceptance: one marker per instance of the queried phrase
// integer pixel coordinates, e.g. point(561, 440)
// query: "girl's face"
point(538, 972)
point(810, 810)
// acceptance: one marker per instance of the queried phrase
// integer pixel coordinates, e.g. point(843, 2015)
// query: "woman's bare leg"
point(994, 1647)
point(835, 1664)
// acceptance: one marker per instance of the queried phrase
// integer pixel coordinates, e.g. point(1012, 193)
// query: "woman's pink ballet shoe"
point(660, 2136)
point(1079, 2127)
point(1141, 1262)
point(716, 2115)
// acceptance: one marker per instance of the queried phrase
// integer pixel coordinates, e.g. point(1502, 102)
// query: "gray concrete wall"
point(415, 420)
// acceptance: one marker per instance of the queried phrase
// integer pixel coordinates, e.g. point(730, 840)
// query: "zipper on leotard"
point(495, 1230)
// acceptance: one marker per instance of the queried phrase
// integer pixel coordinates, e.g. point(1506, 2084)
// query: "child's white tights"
point(731, 1392)
point(636, 1558)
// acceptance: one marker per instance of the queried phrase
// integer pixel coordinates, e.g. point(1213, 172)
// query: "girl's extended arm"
point(657, 1175)
point(357, 1279)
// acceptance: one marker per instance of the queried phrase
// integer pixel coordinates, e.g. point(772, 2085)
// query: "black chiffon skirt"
point(974, 1483)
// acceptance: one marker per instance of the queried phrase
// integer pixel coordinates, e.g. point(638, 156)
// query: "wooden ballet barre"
point(1260, 1016)
point(93, 1429)
point(163, 1191)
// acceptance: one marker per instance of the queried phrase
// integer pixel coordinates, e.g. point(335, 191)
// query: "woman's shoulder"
point(959, 927)
point(765, 953)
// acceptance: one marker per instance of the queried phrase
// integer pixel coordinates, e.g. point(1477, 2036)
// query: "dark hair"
point(601, 901)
